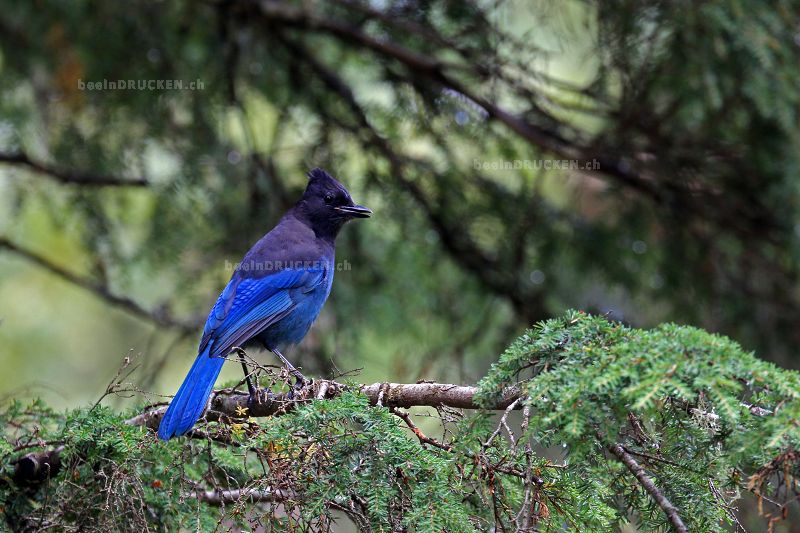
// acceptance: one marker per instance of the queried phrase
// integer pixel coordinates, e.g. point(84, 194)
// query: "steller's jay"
point(273, 297)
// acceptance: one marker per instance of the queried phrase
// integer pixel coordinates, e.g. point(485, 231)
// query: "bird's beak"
point(355, 211)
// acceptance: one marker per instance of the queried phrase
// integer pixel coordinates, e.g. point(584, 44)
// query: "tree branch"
point(38, 466)
point(423, 438)
point(648, 485)
point(219, 497)
point(228, 404)
point(69, 176)
point(434, 70)
point(161, 318)
point(455, 240)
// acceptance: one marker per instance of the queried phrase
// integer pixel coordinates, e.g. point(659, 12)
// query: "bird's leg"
point(250, 388)
point(255, 395)
point(300, 378)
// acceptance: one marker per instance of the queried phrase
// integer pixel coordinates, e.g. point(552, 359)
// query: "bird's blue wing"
point(247, 306)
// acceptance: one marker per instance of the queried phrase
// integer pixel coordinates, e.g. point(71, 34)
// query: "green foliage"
point(703, 412)
point(706, 420)
point(693, 108)
point(697, 100)
point(119, 477)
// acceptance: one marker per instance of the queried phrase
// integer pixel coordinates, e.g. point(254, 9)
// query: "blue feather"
point(245, 308)
point(188, 404)
point(275, 304)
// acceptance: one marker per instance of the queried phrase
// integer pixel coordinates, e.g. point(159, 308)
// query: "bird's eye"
point(328, 198)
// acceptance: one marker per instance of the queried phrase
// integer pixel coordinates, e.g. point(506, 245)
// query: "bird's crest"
point(320, 182)
point(318, 174)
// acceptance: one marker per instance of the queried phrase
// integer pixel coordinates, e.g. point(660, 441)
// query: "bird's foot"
point(259, 396)
point(301, 382)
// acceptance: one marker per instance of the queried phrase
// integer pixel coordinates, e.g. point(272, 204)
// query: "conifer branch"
point(230, 404)
point(670, 510)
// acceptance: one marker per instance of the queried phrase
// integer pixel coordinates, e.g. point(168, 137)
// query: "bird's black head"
point(327, 205)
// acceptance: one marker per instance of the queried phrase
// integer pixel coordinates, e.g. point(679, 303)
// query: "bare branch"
point(219, 497)
point(228, 404)
point(627, 459)
point(424, 439)
point(161, 318)
point(513, 405)
point(70, 176)
point(434, 395)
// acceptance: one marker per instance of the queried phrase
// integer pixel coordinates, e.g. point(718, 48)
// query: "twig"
point(115, 385)
point(525, 513)
point(627, 459)
point(446, 447)
point(220, 497)
point(513, 405)
point(69, 176)
point(660, 460)
point(161, 318)
point(418, 432)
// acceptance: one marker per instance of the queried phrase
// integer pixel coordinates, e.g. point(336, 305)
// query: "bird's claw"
point(301, 383)
point(259, 397)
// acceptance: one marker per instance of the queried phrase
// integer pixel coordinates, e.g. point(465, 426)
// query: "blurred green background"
point(678, 200)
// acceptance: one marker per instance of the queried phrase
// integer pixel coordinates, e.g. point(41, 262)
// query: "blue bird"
point(273, 297)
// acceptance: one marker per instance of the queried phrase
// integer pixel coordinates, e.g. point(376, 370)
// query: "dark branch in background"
point(652, 174)
point(456, 242)
point(649, 486)
point(21, 159)
point(430, 68)
point(158, 317)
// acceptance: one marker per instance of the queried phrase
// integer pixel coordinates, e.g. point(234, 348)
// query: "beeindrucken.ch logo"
point(536, 164)
point(274, 266)
point(141, 85)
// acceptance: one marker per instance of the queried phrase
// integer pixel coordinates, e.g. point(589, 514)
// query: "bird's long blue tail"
point(188, 404)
